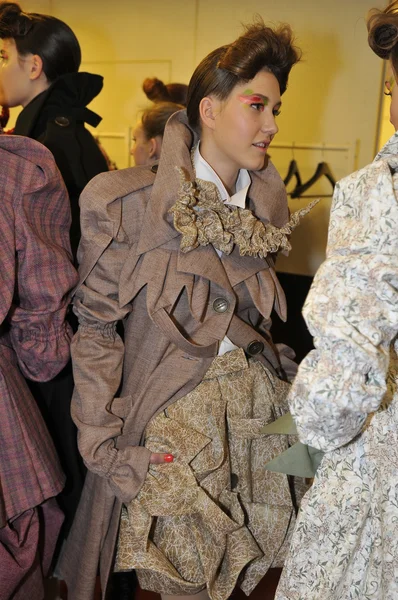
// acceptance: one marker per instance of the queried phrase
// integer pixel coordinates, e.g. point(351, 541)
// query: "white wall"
point(333, 93)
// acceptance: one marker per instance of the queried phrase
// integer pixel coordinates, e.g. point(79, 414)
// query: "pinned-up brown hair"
point(154, 119)
point(157, 91)
point(383, 33)
point(48, 37)
point(259, 48)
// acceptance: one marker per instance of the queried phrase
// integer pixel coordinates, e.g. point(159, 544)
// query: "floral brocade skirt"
point(215, 516)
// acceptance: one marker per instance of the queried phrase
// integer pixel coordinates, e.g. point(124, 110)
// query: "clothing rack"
point(352, 150)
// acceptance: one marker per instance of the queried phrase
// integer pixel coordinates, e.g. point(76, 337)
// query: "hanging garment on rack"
point(322, 169)
point(293, 171)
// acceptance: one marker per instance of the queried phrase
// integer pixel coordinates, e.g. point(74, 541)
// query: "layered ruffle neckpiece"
point(202, 218)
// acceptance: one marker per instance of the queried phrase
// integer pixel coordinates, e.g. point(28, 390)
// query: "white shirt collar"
point(207, 173)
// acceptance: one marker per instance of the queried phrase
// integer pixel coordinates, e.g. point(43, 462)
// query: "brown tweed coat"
point(132, 270)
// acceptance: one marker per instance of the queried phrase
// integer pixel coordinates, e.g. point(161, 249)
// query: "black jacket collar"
point(67, 97)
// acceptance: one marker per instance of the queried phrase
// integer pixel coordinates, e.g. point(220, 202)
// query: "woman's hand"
point(157, 459)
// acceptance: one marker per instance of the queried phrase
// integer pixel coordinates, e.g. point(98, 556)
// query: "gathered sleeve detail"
point(98, 352)
point(352, 312)
point(45, 278)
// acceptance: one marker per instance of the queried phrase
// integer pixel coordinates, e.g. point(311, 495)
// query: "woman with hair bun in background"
point(40, 58)
point(170, 417)
point(345, 397)
point(157, 91)
point(148, 132)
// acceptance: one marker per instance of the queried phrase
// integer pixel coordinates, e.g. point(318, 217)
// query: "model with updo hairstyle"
point(148, 133)
point(345, 397)
point(184, 256)
point(157, 91)
point(44, 35)
point(383, 33)
point(229, 65)
point(46, 83)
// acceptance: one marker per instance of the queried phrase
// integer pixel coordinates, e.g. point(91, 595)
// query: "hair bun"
point(155, 90)
point(386, 36)
point(13, 20)
point(383, 32)
point(10, 9)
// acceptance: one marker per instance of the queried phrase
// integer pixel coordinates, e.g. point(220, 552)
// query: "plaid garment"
point(36, 280)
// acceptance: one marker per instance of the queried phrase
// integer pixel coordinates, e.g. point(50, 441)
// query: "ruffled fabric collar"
point(202, 218)
point(267, 195)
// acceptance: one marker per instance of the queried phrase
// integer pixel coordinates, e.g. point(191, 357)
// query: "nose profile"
point(269, 124)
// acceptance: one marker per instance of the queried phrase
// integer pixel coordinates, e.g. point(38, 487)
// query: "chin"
point(256, 165)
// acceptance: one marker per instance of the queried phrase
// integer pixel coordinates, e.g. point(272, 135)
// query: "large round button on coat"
point(62, 121)
point(221, 305)
point(255, 347)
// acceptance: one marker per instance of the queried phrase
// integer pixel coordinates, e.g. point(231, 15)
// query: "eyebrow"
point(258, 95)
point(250, 94)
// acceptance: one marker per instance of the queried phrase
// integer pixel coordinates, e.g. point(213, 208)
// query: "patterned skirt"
point(215, 516)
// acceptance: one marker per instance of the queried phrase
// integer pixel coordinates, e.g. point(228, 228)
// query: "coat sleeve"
point(352, 312)
point(98, 350)
point(45, 276)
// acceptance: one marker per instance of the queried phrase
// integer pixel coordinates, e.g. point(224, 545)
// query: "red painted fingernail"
point(168, 458)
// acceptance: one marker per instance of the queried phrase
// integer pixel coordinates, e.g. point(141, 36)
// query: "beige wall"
point(332, 99)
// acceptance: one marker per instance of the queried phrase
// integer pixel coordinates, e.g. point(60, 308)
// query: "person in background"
point(148, 133)
point(345, 397)
point(184, 259)
point(37, 278)
point(39, 62)
point(157, 91)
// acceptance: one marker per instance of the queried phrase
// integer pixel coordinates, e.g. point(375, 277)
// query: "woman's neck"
point(40, 86)
point(227, 172)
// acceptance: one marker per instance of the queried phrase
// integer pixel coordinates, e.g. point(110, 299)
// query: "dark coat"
point(57, 118)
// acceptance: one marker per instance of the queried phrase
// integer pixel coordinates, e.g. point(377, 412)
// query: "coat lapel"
point(267, 196)
point(239, 268)
point(158, 228)
point(267, 199)
point(204, 262)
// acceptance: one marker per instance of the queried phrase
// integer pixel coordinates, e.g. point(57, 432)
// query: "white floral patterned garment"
point(345, 400)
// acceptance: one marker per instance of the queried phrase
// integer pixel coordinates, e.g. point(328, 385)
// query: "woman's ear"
point(153, 149)
point(208, 110)
point(36, 67)
point(157, 147)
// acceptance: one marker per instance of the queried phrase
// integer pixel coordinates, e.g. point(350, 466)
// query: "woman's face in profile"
point(14, 76)
point(243, 125)
point(392, 90)
point(141, 147)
